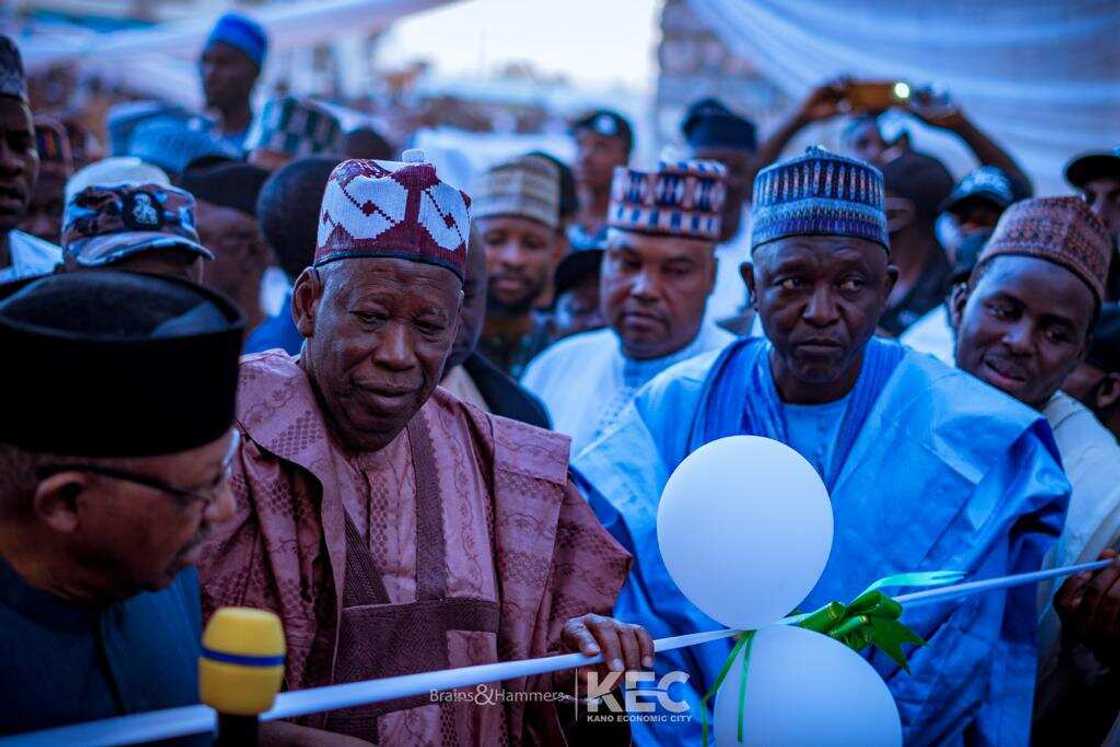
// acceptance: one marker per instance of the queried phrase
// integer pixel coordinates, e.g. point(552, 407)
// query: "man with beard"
point(468, 374)
point(893, 435)
point(115, 449)
point(517, 214)
point(1023, 326)
point(392, 527)
point(230, 64)
point(227, 226)
point(965, 224)
point(21, 254)
point(657, 273)
point(604, 141)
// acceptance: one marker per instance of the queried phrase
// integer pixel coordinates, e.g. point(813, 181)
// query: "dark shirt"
point(512, 354)
point(504, 395)
point(62, 663)
point(276, 332)
point(926, 294)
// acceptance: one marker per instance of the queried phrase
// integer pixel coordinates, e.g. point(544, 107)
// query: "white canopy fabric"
point(1042, 76)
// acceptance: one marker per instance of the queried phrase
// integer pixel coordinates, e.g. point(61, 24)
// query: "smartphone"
point(877, 96)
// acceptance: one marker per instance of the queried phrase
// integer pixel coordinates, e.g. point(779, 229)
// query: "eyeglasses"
point(206, 495)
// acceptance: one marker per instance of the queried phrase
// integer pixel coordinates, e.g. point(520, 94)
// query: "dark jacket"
point(504, 395)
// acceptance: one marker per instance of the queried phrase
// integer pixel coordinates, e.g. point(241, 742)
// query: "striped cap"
point(818, 194)
point(682, 199)
point(295, 127)
point(527, 187)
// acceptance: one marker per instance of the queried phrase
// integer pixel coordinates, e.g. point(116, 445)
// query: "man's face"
point(653, 291)
point(138, 538)
point(865, 141)
point(19, 162)
point(473, 313)
point(228, 76)
point(1103, 197)
point(964, 219)
point(819, 298)
point(235, 240)
point(738, 163)
point(521, 257)
point(378, 332)
point(1024, 326)
point(596, 158)
point(44, 214)
point(578, 310)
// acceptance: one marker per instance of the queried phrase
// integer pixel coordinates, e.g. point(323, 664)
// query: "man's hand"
point(936, 111)
point(624, 647)
point(1088, 605)
point(824, 102)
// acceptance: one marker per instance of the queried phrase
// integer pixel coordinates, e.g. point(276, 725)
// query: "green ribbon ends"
point(871, 619)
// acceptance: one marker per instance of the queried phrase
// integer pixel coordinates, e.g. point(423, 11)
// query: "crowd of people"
point(448, 446)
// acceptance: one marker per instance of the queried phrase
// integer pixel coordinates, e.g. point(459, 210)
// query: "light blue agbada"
point(932, 470)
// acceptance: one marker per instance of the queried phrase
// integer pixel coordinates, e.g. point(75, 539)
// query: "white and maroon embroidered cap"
point(393, 209)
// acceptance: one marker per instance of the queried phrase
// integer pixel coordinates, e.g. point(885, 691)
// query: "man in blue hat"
point(230, 64)
point(714, 132)
point(893, 436)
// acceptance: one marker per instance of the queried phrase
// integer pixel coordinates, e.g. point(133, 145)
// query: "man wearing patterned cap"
point(658, 271)
point(115, 451)
point(892, 434)
point(517, 215)
point(135, 227)
point(44, 214)
point(230, 64)
point(21, 254)
point(392, 527)
point(291, 128)
point(714, 132)
point(1023, 326)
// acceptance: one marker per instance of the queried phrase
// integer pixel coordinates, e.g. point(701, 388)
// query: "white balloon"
point(745, 529)
point(804, 688)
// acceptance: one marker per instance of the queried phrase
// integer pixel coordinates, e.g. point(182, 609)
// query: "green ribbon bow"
point(871, 619)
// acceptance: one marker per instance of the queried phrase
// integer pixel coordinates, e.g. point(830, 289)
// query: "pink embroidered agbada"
point(462, 542)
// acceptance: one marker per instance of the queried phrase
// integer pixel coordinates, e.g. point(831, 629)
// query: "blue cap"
point(819, 194)
point(242, 33)
point(708, 123)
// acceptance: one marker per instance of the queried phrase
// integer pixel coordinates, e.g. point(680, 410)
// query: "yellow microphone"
point(240, 670)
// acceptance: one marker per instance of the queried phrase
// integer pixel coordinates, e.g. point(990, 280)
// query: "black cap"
point(987, 183)
point(1104, 350)
point(709, 123)
point(1089, 166)
point(607, 123)
point(116, 364)
point(235, 185)
point(575, 268)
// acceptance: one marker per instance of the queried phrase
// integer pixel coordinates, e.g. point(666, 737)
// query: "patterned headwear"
point(393, 209)
point(115, 170)
point(818, 194)
point(55, 159)
point(1061, 230)
point(12, 81)
point(241, 33)
point(103, 225)
point(295, 127)
point(527, 187)
point(987, 183)
point(682, 199)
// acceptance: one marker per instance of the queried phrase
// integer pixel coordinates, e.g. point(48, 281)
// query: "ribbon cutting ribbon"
point(871, 619)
